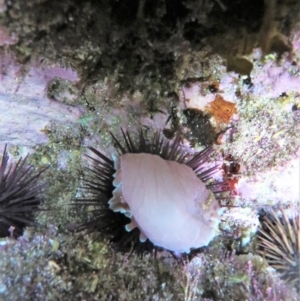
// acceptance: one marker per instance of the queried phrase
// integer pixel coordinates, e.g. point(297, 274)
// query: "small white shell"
point(166, 201)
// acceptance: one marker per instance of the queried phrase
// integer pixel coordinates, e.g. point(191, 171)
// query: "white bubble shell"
point(166, 201)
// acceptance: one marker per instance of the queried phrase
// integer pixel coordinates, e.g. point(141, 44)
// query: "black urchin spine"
point(19, 195)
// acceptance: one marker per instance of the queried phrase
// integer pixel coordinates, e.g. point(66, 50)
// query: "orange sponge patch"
point(221, 109)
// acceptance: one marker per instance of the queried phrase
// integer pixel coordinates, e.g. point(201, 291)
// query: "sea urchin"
point(279, 242)
point(153, 195)
point(19, 196)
